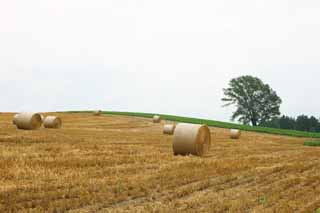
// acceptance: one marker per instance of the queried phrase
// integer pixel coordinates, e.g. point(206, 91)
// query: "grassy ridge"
point(220, 124)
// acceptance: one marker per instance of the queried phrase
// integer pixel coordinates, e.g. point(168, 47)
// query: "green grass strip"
point(311, 143)
point(213, 123)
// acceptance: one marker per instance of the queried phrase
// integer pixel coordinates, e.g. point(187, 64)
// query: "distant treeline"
point(301, 123)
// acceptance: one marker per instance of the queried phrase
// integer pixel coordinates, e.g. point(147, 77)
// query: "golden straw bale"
point(191, 139)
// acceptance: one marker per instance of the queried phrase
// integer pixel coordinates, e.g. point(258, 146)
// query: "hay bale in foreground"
point(156, 119)
point(52, 122)
point(168, 129)
point(191, 139)
point(235, 133)
point(27, 121)
point(97, 112)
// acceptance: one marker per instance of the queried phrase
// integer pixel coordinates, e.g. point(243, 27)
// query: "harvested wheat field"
point(126, 164)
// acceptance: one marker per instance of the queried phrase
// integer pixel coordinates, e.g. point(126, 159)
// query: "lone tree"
point(256, 102)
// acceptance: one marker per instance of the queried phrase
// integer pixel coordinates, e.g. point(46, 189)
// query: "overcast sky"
point(168, 56)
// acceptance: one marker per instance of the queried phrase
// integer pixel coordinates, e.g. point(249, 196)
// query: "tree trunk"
point(254, 122)
point(253, 118)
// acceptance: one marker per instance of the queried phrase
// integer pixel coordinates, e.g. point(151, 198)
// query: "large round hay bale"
point(191, 139)
point(27, 121)
point(235, 133)
point(156, 119)
point(52, 122)
point(97, 112)
point(168, 129)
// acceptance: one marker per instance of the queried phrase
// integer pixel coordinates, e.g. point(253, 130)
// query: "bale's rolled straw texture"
point(156, 119)
point(191, 139)
point(168, 129)
point(15, 118)
point(52, 122)
point(235, 133)
point(27, 121)
point(97, 112)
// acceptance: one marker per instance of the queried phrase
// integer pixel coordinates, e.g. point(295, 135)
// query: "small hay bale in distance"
point(97, 112)
point(168, 129)
point(27, 121)
point(53, 122)
point(235, 133)
point(191, 139)
point(15, 118)
point(156, 119)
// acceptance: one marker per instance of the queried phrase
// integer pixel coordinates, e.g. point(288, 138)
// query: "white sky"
point(168, 56)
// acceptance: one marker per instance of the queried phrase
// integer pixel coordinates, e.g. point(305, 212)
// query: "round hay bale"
point(52, 122)
point(191, 139)
point(235, 133)
point(97, 112)
point(168, 129)
point(156, 119)
point(27, 121)
point(15, 118)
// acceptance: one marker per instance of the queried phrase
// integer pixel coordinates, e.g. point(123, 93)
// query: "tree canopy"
point(255, 101)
